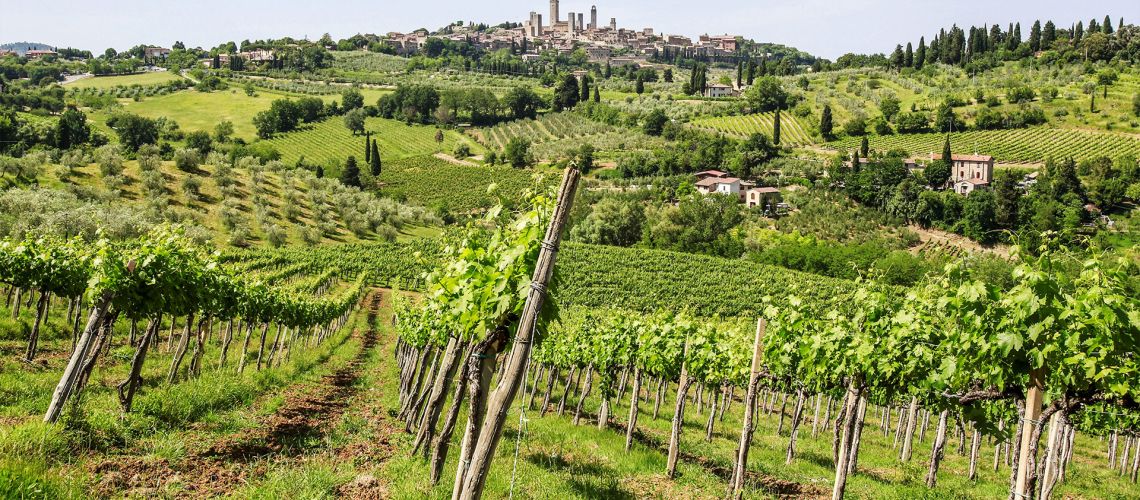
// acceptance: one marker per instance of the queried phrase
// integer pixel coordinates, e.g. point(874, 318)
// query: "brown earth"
point(218, 468)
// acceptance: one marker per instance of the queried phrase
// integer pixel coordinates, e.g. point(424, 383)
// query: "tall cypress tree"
point(776, 128)
point(1035, 36)
point(739, 74)
point(597, 94)
point(825, 122)
point(367, 147)
point(1079, 32)
point(640, 87)
point(375, 167)
point(909, 59)
point(865, 148)
point(752, 71)
point(1107, 26)
point(585, 86)
point(920, 55)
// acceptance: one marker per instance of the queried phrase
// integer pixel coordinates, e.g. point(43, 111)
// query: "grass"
point(143, 79)
point(330, 140)
point(194, 110)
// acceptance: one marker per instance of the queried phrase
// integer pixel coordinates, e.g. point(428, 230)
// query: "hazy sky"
point(823, 27)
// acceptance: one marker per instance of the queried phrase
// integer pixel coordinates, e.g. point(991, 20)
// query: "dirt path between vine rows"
point(277, 441)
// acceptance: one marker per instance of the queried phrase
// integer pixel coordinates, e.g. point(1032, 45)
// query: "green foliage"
point(134, 130)
point(654, 123)
point(517, 153)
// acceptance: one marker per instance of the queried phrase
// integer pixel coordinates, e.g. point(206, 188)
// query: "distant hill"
point(22, 47)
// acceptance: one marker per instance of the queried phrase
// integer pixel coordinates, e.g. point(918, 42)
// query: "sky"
point(825, 28)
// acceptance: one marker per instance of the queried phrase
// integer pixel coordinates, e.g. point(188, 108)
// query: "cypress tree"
point(776, 128)
point(1093, 26)
point(865, 148)
point(640, 86)
point(751, 71)
point(609, 71)
point(1035, 36)
point(739, 74)
point(1048, 35)
point(367, 147)
point(597, 95)
point(920, 55)
point(350, 176)
point(1107, 27)
point(1079, 32)
point(946, 156)
point(585, 86)
point(825, 122)
point(375, 167)
point(909, 58)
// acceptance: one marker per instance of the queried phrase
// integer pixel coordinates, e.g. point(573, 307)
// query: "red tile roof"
point(766, 190)
point(954, 157)
point(717, 173)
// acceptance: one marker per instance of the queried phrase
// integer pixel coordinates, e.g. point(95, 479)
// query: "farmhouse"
point(36, 54)
point(761, 197)
point(156, 52)
point(969, 172)
point(718, 90)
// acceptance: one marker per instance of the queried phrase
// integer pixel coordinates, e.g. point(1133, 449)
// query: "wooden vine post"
point(736, 484)
point(504, 395)
point(1034, 398)
point(678, 416)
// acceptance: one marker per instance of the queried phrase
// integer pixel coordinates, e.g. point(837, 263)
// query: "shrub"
point(276, 235)
point(110, 160)
point(1020, 94)
point(462, 150)
point(190, 185)
point(186, 159)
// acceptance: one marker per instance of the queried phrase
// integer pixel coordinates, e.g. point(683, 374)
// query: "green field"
point(791, 131)
point(327, 140)
point(1009, 146)
point(143, 79)
point(203, 110)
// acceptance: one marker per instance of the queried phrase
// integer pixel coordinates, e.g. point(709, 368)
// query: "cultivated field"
point(328, 139)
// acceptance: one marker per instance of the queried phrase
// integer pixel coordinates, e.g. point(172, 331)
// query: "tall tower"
point(570, 23)
point(581, 22)
point(593, 17)
point(553, 11)
point(613, 23)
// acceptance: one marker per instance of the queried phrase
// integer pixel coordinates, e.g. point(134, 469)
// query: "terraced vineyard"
point(428, 180)
point(329, 139)
point(546, 128)
point(1008, 146)
point(792, 132)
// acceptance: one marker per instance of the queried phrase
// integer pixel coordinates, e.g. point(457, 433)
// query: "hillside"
point(22, 47)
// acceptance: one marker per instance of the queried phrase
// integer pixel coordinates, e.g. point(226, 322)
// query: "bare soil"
point(278, 440)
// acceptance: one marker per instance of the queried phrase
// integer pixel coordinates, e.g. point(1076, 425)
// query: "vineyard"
point(329, 140)
point(368, 62)
point(546, 128)
point(1007, 146)
point(429, 180)
point(792, 132)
